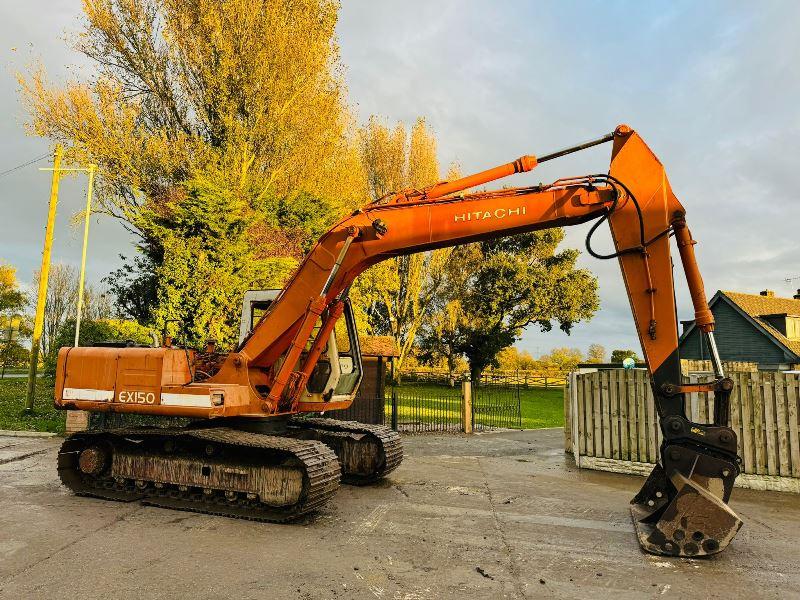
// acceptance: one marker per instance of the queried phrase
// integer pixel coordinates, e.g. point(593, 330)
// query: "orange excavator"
point(250, 449)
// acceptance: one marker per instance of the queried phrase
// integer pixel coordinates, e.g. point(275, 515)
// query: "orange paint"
point(410, 221)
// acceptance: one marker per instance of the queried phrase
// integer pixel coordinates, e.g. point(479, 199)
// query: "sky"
point(711, 86)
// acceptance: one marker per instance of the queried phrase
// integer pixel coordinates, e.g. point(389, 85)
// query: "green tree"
point(13, 325)
point(440, 339)
point(93, 332)
point(13, 355)
point(14, 328)
point(617, 356)
point(210, 259)
point(562, 359)
point(135, 287)
point(596, 354)
point(194, 102)
point(514, 359)
point(510, 283)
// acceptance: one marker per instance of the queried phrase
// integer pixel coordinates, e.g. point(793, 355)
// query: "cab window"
point(349, 353)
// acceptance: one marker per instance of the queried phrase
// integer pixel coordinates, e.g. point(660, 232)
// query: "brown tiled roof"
point(378, 345)
point(757, 306)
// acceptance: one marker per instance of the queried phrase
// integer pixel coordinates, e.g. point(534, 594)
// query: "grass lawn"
point(12, 407)
point(426, 402)
point(542, 407)
point(15, 371)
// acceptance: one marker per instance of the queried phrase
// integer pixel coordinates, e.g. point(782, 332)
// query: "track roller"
point(216, 471)
point(366, 453)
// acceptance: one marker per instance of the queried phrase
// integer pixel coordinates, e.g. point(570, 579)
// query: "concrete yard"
point(501, 515)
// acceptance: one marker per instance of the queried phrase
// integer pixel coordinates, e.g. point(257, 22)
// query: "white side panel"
point(196, 400)
point(88, 394)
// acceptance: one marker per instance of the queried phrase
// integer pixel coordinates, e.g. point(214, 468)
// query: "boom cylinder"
point(579, 147)
point(521, 165)
point(719, 372)
point(703, 318)
point(352, 233)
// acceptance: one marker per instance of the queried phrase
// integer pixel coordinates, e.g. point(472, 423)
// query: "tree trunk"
point(475, 374)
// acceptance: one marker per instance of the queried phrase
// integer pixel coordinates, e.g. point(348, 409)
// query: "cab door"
point(338, 373)
point(349, 356)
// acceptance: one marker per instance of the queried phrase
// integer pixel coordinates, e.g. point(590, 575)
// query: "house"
point(378, 354)
point(761, 328)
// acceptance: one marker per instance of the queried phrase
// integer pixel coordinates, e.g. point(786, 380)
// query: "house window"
point(793, 328)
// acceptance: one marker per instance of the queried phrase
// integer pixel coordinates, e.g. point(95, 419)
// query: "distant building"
point(760, 328)
point(378, 354)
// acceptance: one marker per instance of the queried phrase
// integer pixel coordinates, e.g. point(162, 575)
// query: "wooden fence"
point(704, 366)
point(525, 379)
point(611, 423)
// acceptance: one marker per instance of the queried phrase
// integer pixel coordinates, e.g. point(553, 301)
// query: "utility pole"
point(7, 339)
point(44, 273)
point(83, 254)
point(90, 169)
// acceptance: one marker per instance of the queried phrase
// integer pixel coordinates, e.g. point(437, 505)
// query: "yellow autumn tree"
point(397, 294)
point(11, 297)
point(233, 109)
point(251, 85)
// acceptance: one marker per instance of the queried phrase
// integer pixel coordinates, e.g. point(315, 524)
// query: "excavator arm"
point(635, 198)
point(682, 508)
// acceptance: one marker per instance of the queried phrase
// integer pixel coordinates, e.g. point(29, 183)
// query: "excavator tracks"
point(366, 453)
point(218, 471)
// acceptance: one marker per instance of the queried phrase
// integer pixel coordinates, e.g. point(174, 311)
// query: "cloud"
point(38, 31)
point(712, 87)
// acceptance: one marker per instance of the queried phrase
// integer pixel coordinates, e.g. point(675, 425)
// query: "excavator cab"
point(338, 372)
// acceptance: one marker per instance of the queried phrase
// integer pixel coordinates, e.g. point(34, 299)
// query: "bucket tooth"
point(679, 517)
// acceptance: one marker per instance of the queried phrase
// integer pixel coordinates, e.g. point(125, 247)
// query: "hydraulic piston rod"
point(578, 148)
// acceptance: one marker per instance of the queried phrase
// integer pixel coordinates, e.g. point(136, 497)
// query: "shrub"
point(94, 332)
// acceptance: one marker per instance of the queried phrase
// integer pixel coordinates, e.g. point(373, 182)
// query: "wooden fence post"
point(576, 416)
point(567, 417)
point(466, 406)
point(394, 409)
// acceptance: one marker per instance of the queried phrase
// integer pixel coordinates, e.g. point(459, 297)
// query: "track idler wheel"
point(686, 514)
point(93, 460)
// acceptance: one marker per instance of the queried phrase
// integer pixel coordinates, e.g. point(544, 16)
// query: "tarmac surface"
point(500, 515)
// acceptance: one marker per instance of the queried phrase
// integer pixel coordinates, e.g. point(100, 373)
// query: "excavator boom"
point(681, 510)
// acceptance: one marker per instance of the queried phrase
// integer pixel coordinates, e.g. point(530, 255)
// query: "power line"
point(26, 164)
